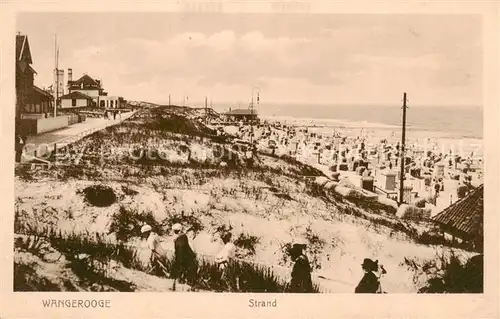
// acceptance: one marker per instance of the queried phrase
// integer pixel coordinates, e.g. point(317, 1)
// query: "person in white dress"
point(225, 256)
point(158, 253)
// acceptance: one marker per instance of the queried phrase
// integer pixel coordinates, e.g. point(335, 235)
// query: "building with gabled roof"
point(75, 100)
point(92, 88)
point(87, 86)
point(23, 52)
point(29, 98)
point(464, 218)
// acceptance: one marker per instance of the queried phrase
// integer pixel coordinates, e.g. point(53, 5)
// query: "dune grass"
point(90, 256)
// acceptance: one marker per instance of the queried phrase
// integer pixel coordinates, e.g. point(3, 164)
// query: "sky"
point(294, 58)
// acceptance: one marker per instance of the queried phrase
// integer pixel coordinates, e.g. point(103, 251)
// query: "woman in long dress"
point(301, 273)
point(185, 264)
point(224, 257)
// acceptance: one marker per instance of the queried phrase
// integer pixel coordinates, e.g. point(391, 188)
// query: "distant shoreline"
point(342, 124)
point(450, 121)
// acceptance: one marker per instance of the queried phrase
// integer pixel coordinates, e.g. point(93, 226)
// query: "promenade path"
point(40, 146)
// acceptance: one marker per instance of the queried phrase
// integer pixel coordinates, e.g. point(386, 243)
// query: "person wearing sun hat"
point(154, 245)
point(301, 272)
point(369, 283)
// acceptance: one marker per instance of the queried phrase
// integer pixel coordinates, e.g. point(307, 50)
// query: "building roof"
point(242, 112)
point(75, 95)
point(23, 49)
point(465, 215)
point(41, 92)
point(31, 69)
point(87, 82)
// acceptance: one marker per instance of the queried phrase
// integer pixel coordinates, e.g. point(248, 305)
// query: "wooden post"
point(402, 175)
point(251, 120)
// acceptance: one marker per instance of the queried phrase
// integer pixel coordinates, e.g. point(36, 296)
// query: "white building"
point(92, 88)
point(75, 100)
point(110, 102)
point(87, 86)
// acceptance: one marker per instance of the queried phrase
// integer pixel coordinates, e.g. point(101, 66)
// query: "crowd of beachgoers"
point(439, 170)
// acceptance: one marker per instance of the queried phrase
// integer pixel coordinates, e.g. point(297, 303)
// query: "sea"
point(458, 129)
point(440, 121)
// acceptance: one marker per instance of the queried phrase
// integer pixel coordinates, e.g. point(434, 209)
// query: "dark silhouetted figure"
point(437, 188)
point(301, 273)
point(185, 265)
point(369, 284)
point(19, 145)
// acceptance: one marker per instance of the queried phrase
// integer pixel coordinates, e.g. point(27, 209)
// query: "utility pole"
point(206, 110)
point(251, 121)
point(169, 100)
point(252, 111)
point(402, 175)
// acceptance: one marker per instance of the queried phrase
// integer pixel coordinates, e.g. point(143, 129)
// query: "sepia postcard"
point(285, 159)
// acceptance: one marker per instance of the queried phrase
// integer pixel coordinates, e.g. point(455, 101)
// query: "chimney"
point(70, 75)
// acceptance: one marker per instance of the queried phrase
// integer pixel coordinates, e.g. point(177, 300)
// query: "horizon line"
point(245, 105)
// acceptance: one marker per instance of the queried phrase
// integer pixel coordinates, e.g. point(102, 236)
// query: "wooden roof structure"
point(23, 51)
point(87, 81)
point(464, 217)
point(75, 95)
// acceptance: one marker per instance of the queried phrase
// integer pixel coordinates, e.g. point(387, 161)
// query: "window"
point(73, 102)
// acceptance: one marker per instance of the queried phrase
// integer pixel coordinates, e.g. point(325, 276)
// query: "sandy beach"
point(316, 142)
